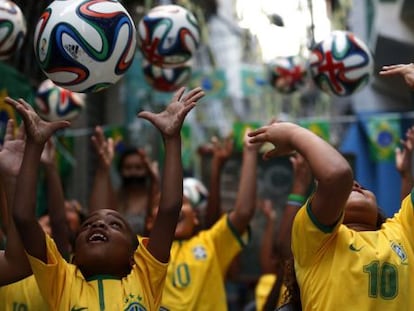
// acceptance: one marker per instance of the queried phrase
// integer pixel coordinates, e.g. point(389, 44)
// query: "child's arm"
point(404, 70)
point(169, 123)
point(302, 179)
point(331, 170)
point(221, 153)
point(246, 193)
point(403, 162)
point(55, 200)
point(38, 132)
point(13, 261)
point(103, 193)
point(267, 254)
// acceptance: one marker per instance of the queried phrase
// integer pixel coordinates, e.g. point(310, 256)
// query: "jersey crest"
point(199, 252)
point(399, 250)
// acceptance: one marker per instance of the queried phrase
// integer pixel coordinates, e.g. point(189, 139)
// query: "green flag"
point(15, 85)
point(214, 82)
point(239, 128)
point(384, 135)
point(319, 127)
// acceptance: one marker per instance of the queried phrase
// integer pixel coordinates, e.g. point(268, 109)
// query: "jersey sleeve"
point(52, 277)
point(405, 216)
point(151, 273)
point(227, 242)
point(309, 236)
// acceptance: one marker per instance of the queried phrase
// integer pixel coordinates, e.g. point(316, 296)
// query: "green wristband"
point(296, 198)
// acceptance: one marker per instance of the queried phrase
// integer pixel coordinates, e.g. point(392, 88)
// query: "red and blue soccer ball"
point(341, 64)
point(54, 103)
point(85, 45)
point(287, 74)
point(168, 35)
point(166, 79)
point(12, 29)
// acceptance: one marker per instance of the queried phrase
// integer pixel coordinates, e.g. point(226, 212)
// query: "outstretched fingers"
point(193, 96)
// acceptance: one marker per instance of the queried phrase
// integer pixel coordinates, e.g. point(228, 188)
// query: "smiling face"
point(105, 245)
point(361, 209)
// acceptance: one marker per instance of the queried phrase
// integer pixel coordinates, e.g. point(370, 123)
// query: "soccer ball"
point(166, 79)
point(84, 45)
point(168, 35)
point(12, 28)
point(341, 64)
point(287, 74)
point(54, 103)
point(195, 192)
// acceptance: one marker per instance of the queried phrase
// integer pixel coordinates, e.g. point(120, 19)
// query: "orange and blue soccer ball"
point(342, 64)
point(85, 45)
point(12, 29)
point(54, 103)
point(166, 79)
point(287, 74)
point(168, 35)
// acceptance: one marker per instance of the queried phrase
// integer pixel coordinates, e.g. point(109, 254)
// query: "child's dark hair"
point(124, 154)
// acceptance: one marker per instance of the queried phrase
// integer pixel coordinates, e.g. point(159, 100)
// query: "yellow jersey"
point(264, 287)
point(64, 287)
point(22, 295)
point(197, 269)
point(339, 269)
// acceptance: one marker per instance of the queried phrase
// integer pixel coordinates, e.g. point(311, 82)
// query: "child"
point(110, 271)
point(344, 259)
point(200, 260)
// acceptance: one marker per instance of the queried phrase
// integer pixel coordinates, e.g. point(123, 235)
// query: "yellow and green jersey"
point(264, 287)
point(197, 269)
point(22, 295)
point(64, 287)
point(338, 268)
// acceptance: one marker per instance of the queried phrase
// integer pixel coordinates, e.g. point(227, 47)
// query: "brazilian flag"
point(213, 82)
point(383, 135)
point(239, 128)
point(320, 127)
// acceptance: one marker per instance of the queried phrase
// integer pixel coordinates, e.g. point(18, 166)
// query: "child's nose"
point(99, 224)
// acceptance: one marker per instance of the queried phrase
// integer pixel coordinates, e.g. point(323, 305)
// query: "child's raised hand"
point(277, 133)
point(169, 121)
point(11, 153)
point(403, 156)
point(104, 147)
point(38, 131)
point(405, 70)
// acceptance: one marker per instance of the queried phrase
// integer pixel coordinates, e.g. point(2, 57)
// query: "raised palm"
point(11, 154)
point(38, 131)
point(169, 121)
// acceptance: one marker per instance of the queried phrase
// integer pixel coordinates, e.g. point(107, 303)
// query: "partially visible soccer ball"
point(85, 45)
point(166, 79)
point(12, 28)
point(168, 35)
point(287, 74)
point(341, 64)
point(195, 192)
point(54, 103)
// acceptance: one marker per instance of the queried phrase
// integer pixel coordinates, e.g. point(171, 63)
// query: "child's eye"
point(115, 225)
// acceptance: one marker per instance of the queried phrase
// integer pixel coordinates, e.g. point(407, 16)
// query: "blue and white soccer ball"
point(54, 103)
point(166, 79)
point(342, 64)
point(12, 29)
point(168, 35)
point(85, 45)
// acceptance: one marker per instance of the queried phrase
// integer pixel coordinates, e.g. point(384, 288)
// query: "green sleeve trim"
point(322, 227)
point(412, 196)
point(239, 238)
